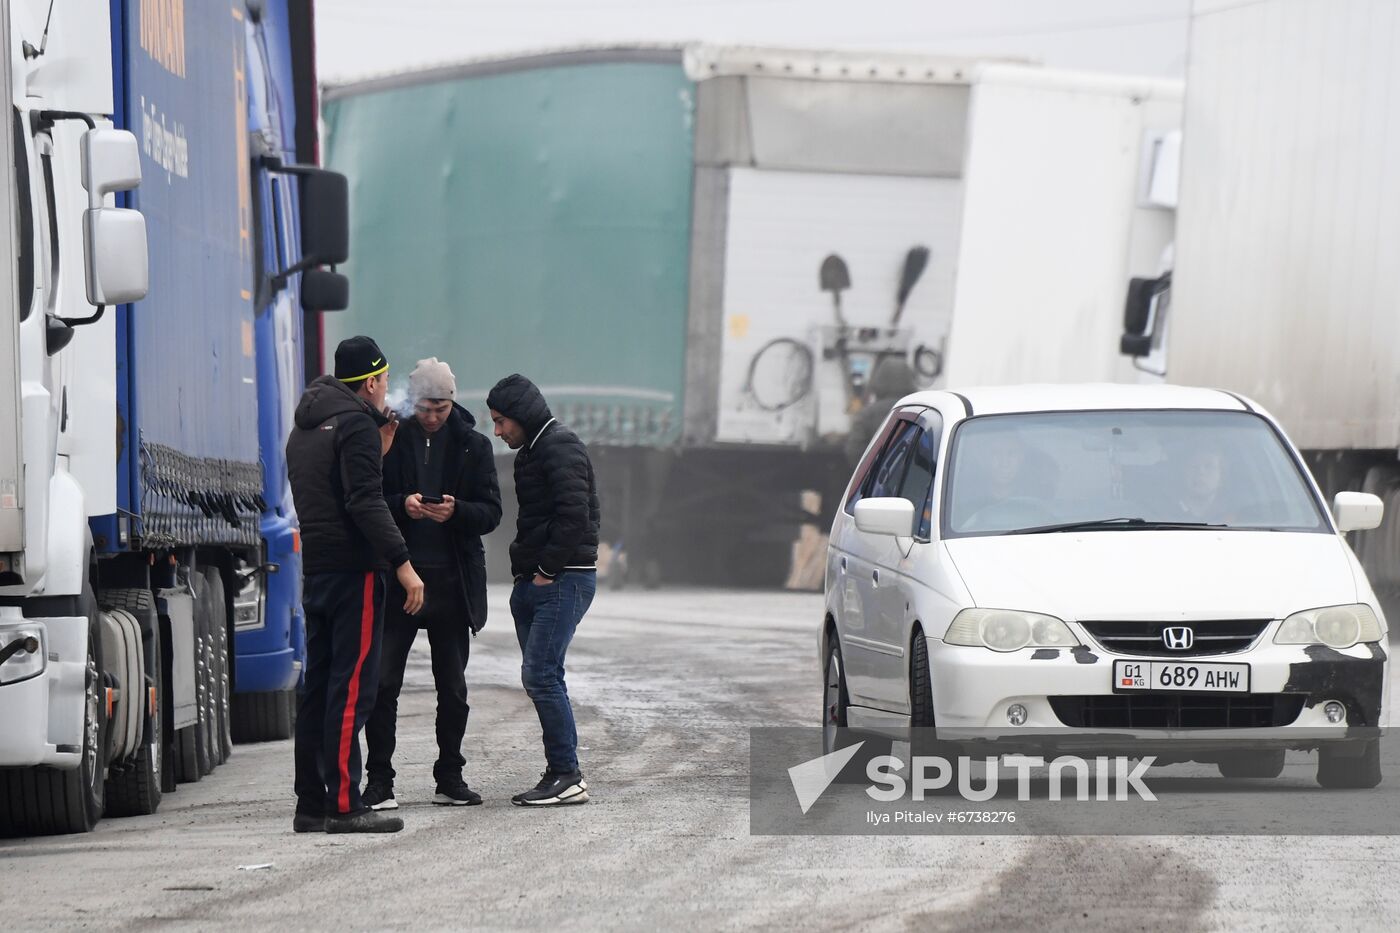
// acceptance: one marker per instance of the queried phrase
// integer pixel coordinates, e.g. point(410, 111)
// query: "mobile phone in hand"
point(431, 500)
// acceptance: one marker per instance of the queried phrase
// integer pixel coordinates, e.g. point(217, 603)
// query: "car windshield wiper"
point(1114, 524)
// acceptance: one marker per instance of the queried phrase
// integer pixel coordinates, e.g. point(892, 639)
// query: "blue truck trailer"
point(149, 602)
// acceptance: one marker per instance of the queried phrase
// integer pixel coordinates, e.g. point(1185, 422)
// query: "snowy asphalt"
point(666, 685)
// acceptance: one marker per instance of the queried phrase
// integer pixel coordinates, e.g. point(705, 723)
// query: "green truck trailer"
point(703, 256)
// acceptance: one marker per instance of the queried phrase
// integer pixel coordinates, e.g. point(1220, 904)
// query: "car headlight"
point(22, 650)
point(1008, 630)
point(1334, 626)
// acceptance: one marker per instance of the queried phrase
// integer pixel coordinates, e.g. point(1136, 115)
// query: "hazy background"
point(357, 38)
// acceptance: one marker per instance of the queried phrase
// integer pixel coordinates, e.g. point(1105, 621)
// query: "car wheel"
point(835, 700)
point(1336, 769)
point(1261, 764)
point(923, 737)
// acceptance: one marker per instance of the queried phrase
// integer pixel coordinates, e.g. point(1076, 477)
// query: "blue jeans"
point(545, 620)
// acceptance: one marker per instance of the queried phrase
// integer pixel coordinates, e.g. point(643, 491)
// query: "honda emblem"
point(1178, 637)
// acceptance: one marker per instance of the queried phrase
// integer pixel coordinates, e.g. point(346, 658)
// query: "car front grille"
point(1225, 636)
point(1178, 710)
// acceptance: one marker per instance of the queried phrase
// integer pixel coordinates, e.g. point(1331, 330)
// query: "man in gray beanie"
point(440, 484)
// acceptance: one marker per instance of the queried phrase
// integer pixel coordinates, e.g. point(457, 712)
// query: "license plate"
point(1180, 676)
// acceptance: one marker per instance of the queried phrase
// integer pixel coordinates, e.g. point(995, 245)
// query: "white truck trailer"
point(708, 252)
point(1286, 281)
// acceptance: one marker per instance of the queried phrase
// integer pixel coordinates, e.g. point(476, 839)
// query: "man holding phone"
point(440, 484)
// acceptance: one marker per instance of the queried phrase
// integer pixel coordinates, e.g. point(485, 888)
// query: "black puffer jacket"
point(334, 464)
point(469, 476)
point(554, 483)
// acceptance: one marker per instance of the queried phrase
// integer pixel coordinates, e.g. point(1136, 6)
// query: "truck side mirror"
point(325, 217)
point(111, 162)
point(114, 238)
point(1139, 321)
point(324, 291)
point(114, 247)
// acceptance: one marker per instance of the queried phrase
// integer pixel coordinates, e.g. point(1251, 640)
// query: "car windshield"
point(1106, 470)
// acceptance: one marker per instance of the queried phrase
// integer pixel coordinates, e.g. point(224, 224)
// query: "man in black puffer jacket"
point(334, 465)
point(554, 559)
point(440, 483)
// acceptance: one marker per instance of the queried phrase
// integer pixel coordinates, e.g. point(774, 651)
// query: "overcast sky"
point(358, 38)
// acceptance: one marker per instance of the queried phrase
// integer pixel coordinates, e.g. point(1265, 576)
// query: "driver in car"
point(1202, 480)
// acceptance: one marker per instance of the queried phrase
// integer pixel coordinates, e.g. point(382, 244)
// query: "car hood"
point(1156, 575)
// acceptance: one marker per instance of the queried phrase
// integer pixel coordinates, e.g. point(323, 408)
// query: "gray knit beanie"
point(432, 378)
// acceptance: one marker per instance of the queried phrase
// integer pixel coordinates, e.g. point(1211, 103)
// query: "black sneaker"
point(455, 794)
point(553, 790)
point(366, 821)
point(379, 796)
point(306, 823)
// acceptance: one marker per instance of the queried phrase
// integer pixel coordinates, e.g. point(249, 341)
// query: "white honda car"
point(1104, 564)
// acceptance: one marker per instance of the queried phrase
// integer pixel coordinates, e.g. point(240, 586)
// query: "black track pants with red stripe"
point(344, 622)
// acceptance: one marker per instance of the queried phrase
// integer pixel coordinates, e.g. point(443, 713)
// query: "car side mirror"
point(114, 238)
point(1357, 511)
point(324, 291)
point(886, 516)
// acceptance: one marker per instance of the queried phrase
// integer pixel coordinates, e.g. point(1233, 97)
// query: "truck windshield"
point(1123, 470)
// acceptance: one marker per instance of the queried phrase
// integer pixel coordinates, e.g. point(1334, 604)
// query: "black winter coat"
point(334, 464)
point(469, 476)
point(554, 483)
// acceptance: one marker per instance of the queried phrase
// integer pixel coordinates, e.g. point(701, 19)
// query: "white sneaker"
point(379, 797)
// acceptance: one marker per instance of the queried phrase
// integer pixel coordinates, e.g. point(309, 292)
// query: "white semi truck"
point(74, 692)
point(149, 554)
point(1285, 286)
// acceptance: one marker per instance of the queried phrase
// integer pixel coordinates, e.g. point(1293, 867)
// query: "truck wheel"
point(1260, 764)
point(192, 741)
point(47, 801)
point(192, 755)
point(134, 786)
point(264, 717)
point(218, 641)
point(1336, 770)
point(205, 729)
point(170, 760)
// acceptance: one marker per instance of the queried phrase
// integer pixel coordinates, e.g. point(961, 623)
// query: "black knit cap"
point(518, 399)
point(359, 358)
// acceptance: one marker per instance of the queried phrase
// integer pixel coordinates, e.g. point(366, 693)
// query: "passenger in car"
point(1010, 476)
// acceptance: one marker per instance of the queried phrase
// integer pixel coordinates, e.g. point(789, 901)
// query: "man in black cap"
point(334, 459)
point(554, 559)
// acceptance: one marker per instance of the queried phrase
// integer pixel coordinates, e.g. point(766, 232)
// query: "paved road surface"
point(666, 685)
